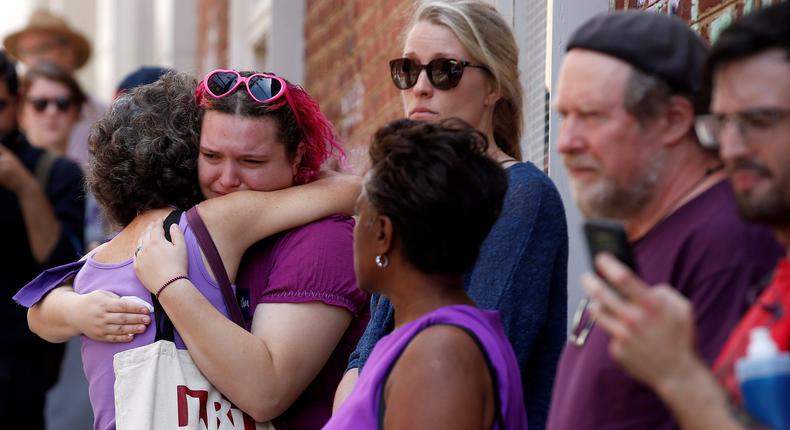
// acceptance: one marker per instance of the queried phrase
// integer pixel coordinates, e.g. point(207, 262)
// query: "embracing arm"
point(49, 317)
point(57, 313)
point(262, 372)
point(238, 220)
point(100, 315)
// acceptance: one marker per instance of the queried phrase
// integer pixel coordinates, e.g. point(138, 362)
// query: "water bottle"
point(764, 379)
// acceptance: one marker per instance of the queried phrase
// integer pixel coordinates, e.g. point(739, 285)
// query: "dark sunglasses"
point(61, 103)
point(262, 88)
point(443, 73)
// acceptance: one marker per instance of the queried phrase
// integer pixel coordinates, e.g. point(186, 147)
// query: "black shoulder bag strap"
point(215, 261)
point(164, 327)
point(499, 420)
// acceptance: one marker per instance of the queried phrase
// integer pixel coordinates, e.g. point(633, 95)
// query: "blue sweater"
point(522, 273)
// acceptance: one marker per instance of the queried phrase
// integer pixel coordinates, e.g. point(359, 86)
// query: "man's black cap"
point(657, 44)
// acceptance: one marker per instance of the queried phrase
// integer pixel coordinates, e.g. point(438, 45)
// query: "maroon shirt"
point(715, 260)
point(312, 263)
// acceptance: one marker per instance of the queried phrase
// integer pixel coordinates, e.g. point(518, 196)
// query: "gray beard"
point(607, 199)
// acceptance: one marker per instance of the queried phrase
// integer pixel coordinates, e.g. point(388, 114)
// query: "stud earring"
point(382, 261)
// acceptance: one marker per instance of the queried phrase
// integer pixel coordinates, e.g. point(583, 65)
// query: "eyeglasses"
point(62, 104)
point(749, 123)
point(262, 88)
point(582, 323)
point(443, 73)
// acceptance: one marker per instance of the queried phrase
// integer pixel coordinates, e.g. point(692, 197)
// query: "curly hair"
point(441, 191)
point(144, 150)
point(298, 117)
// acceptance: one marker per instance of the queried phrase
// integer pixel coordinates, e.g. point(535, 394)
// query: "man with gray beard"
point(651, 327)
point(629, 89)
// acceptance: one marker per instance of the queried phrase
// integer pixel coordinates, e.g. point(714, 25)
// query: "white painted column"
point(174, 25)
point(244, 32)
point(124, 41)
point(285, 50)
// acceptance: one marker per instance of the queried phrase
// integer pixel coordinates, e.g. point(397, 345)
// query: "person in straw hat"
point(49, 37)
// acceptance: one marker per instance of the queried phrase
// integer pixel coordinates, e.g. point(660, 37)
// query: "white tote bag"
point(158, 386)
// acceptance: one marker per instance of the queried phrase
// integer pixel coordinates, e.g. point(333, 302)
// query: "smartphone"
point(605, 235)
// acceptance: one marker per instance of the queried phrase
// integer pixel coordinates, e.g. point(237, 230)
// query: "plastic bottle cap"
point(761, 345)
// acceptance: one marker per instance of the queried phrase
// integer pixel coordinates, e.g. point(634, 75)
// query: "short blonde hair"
point(488, 39)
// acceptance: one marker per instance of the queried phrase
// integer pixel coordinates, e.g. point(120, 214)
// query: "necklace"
point(692, 192)
point(694, 189)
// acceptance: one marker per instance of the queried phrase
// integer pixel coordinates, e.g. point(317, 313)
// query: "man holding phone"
point(629, 89)
point(652, 328)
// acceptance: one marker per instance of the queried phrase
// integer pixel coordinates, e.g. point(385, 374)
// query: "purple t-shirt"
point(119, 278)
point(713, 258)
point(362, 407)
point(311, 263)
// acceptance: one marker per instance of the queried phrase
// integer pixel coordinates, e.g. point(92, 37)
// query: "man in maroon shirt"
point(629, 89)
point(652, 335)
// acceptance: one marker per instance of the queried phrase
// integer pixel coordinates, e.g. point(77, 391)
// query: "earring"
point(382, 261)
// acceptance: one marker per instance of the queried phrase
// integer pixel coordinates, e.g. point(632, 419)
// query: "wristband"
point(162, 288)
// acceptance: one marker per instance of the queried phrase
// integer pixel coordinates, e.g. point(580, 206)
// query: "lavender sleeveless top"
point(361, 409)
point(120, 279)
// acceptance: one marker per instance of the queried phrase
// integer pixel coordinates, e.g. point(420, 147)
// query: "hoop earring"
point(382, 261)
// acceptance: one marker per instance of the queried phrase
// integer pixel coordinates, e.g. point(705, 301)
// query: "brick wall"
point(708, 17)
point(347, 47)
point(212, 35)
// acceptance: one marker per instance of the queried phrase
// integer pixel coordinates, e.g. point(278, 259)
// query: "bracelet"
point(162, 288)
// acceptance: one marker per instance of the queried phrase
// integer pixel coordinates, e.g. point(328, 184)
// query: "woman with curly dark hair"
point(145, 163)
point(447, 364)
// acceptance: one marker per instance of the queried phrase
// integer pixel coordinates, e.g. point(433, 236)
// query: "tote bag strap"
point(215, 262)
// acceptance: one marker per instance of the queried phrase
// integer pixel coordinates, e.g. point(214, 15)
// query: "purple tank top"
point(361, 408)
point(120, 279)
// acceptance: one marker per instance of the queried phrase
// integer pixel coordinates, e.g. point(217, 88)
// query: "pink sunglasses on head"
point(262, 88)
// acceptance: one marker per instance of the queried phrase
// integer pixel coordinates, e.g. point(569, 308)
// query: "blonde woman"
point(460, 59)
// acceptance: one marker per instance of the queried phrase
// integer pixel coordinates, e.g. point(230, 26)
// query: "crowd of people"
point(432, 291)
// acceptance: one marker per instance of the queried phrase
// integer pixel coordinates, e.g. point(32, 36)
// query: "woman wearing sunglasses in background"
point(148, 152)
point(51, 106)
point(460, 60)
